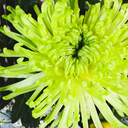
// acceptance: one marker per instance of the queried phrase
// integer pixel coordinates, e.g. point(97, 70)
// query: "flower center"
point(79, 50)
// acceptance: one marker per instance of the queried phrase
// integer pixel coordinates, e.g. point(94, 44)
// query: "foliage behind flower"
point(78, 62)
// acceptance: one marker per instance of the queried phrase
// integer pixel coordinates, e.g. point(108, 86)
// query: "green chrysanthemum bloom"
point(79, 61)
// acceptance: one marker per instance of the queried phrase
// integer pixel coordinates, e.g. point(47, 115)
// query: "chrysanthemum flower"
point(79, 61)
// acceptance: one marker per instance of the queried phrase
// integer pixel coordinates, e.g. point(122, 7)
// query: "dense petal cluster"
point(78, 62)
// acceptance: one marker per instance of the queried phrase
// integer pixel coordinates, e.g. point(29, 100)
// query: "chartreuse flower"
point(77, 62)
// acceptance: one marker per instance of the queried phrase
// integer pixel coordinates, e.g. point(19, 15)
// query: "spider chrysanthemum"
point(79, 61)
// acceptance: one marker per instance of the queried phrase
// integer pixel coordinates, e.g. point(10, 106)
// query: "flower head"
point(79, 61)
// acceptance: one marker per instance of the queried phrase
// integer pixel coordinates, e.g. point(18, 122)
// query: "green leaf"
point(22, 111)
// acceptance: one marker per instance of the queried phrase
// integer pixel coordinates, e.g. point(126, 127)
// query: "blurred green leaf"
point(3, 103)
point(84, 6)
point(22, 111)
point(91, 1)
point(27, 4)
point(125, 1)
point(124, 119)
point(2, 21)
point(5, 82)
